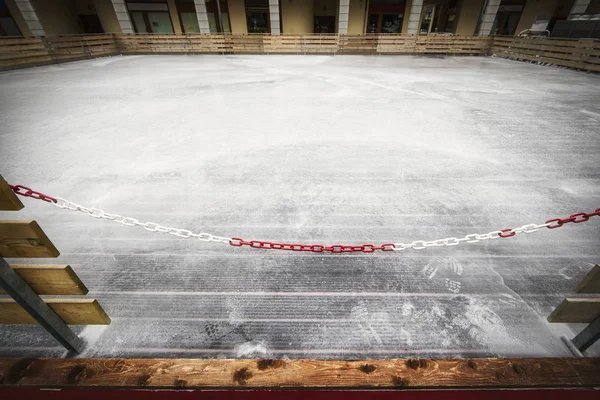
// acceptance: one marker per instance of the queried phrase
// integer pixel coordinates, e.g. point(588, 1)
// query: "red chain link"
point(315, 248)
point(27, 192)
point(575, 218)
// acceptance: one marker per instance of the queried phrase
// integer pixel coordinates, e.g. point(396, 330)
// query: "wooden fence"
point(581, 54)
point(32, 51)
point(302, 44)
point(24, 52)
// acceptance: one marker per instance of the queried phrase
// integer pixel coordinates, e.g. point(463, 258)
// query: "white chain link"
point(149, 226)
point(471, 238)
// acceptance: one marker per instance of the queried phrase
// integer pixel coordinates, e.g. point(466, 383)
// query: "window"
point(213, 16)
point(257, 16)
point(187, 16)
point(8, 26)
point(150, 16)
point(439, 16)
point(508, 16)
point(385, 16)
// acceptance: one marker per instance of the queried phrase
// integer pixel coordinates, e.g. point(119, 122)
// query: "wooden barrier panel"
point(23, 52)
point(47, 279)
point(8, 199)
point(189, 374)
point(72, 311)
point(576, 311)
point(581, 54)
point(27, 52)
point(591, 282)
point(25, 239)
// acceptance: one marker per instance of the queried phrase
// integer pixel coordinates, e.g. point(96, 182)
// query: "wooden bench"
point(581, 310)
point(22, 284)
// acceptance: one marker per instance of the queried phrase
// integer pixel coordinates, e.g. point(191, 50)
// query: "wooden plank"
point(26, 47)
point(47, 279)
point(21, 40)
point(8, 199)
point(580, 310)
point(314, 374)
point(72, 311)
point(591, 282)
point(20, 55)
point(25, 239)
point(27, 62)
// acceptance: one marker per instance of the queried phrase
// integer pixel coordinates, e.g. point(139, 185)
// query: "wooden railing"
point(24, 52)
point(302, 44)
point(581, 54)
point(32, 51)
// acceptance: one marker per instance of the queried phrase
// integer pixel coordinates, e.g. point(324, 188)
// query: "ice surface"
point(315, 149)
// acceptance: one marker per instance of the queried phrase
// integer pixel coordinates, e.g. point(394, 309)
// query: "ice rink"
point(309, 149)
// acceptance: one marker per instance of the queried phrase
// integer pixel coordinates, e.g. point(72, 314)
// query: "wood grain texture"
point(591, 282)
point(246, 374)
point(46, 279)
point(25, 239)
point(576, 311)
point(72, 311)
point(8, 199)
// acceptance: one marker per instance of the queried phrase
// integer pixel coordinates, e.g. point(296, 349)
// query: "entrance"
point(324, 24)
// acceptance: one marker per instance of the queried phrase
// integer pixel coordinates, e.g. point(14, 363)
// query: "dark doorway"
point(385, 16)
point(325, 24)
point(91, 24)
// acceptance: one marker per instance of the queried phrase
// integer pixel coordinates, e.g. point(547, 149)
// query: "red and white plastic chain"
point(314, 248)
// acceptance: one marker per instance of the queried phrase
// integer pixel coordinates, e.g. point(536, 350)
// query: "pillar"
point(488, 16)
point(275, 17)
point(579, 7)
point(123, 16)
point(414, 17)
point(202, 16)
point(343, 17)
point(31, 18)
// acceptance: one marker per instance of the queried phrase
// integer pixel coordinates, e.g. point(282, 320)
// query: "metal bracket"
point(20, 291)
point(588, 336)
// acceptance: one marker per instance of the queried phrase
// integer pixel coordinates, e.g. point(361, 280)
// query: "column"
point(343, 17)
point(414, 18)
point(30, 17)
point(579, 7)
point(487, 18)
point(123, 16)
point(275, 17)
point(202, 16)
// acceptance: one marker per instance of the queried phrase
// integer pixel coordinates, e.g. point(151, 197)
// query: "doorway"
point(508, 17)
point(385, 16)
point(325, 24)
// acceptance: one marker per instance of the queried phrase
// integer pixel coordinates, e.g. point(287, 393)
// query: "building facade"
point(421, 17)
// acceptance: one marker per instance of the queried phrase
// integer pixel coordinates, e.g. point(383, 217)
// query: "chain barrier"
point(314, 248)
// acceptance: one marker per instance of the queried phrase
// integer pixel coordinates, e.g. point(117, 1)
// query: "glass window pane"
point(9, 26)
point(212, 22)
point(226, 27)
point(372, 24)
point(138, 22)
point(160, 22)
point(257, 22)
point(190, 23)
point(391, 23)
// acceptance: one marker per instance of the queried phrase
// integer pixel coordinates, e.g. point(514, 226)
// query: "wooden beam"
point(275, 374)
point(47, 279)
point(25, 239)
point(581, 310)
point(72, 311)
point(591, 282)
point(8, 199)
